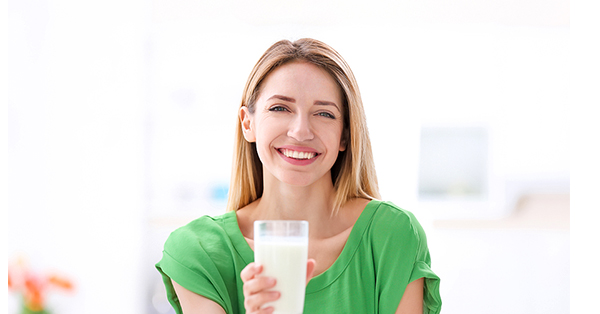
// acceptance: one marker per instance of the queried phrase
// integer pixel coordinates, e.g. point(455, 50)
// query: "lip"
point(298, 162)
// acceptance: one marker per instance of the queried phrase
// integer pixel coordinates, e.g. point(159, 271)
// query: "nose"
point(300, 129)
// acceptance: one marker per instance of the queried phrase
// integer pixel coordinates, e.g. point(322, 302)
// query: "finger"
point(250, 271)
point(310, 269)
point(254, 303)
point(267, 310)
point(258, 284)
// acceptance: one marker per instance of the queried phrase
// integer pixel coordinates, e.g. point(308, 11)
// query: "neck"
point(312, 203)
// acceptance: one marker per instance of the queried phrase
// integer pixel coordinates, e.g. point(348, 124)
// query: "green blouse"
point(385, 251)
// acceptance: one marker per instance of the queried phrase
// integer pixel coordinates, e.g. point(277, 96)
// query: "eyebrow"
point(284, 98)
point(327, 103)
point(292, 100)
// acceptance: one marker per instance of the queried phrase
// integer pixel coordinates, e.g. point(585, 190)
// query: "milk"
point(284, 259)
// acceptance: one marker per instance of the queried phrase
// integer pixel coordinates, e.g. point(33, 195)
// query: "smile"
point(297, 154)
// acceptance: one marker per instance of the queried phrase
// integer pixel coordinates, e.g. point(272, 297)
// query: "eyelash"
point(278, 108)
point(326, 115)
point(323, 114)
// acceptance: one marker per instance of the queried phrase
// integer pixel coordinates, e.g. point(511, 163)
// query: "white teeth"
point(297, 155)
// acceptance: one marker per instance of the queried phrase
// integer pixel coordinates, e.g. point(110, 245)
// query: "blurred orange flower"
point(33, 287)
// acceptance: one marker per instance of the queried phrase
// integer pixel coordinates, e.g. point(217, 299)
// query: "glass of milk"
point(281, 247)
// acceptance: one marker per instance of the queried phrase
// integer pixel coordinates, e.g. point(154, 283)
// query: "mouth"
point(298, 155)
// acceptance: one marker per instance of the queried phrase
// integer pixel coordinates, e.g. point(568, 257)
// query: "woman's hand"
point(257, 288)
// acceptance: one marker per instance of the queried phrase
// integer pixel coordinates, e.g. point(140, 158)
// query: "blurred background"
point(121, 117)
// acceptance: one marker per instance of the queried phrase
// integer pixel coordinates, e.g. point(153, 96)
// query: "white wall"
point(76, 152)
point(121, 114)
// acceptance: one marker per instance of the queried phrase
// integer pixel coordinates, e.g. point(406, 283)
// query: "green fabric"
point(386, 250)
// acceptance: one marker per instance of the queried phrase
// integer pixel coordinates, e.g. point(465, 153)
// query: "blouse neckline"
point(327, 277)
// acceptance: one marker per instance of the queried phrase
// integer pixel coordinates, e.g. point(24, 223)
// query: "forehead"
point(302, 79)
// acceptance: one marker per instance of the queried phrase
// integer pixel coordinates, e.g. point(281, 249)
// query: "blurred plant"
point(34, 287)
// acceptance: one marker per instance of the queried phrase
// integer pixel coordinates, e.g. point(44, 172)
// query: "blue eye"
point(326, 115)
point(277, 108)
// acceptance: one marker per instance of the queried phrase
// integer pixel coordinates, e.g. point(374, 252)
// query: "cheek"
point(335, 141)
point(262, 142)
point(268, 129)
point(266, 133)
point(338, 134)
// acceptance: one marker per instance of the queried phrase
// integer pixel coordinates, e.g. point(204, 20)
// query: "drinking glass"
point(281, 247)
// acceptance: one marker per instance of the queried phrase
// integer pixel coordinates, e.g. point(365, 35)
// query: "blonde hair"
point(353, 173)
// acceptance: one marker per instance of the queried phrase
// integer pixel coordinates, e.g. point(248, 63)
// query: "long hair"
point(353, 173)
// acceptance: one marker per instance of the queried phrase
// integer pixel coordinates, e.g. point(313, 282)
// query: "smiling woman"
point(291, 122)
point(303, 153)
point(358, 177)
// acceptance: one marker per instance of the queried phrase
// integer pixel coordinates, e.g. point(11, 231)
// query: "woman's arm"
point(193, 303)
point(412, 300)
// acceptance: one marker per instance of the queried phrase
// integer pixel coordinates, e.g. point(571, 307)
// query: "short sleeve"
point(432, 302)
point(189, 260)
point(402, 256)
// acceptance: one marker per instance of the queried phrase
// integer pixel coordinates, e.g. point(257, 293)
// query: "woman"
point(303, 153)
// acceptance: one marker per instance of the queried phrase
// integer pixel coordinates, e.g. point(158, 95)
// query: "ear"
point(343, 141)
point(247, 125)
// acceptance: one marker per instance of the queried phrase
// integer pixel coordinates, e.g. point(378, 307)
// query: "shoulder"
point(198, 228)
point(203, 233)
point(197, 256)
point(391, 223)
point(389, 214)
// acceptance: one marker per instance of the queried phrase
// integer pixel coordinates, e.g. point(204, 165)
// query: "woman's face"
point(297, 124)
